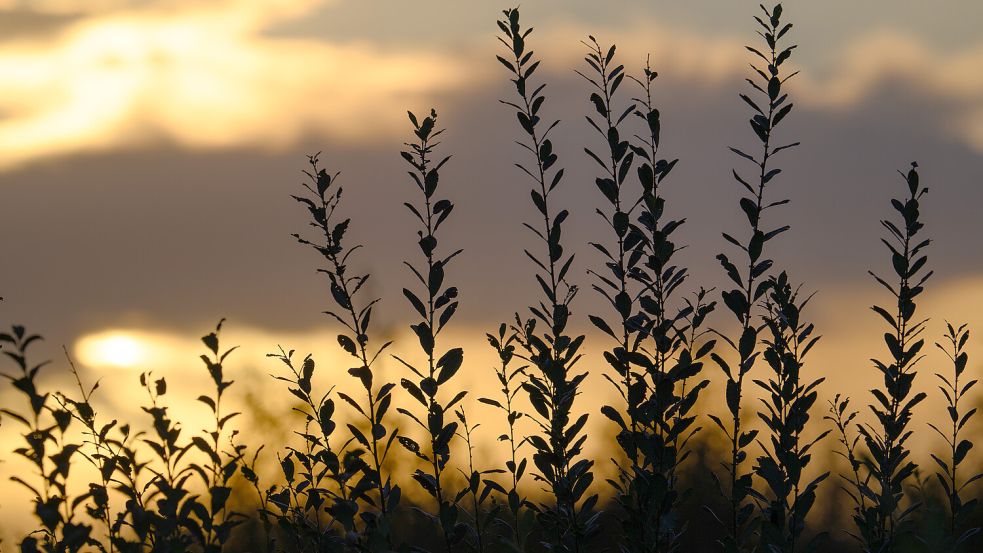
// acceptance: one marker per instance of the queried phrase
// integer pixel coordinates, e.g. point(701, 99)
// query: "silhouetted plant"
point(960, 508)
point(217, 520)
point(48, 451)
point(674, 342)
point(615, 283)
point(102, 456)
point(789, 496)
point(317, 505)
point(752, 283)
point(884, 518)
point(110, 449)
point(521, 517)
point(137, 515)
point(325, 195)
point(842, 417)
point(436, 309)
point(172, 527)
point(569, 520)
point(658, 402)
point(479, 489)
point(248, 469)
point(161, 490)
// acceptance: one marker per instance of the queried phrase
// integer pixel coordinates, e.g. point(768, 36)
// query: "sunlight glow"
point(112, 349)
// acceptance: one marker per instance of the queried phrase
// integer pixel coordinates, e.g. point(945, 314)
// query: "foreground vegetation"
point(337, 487)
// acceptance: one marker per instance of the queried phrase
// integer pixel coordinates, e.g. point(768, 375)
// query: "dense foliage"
point(337, 485)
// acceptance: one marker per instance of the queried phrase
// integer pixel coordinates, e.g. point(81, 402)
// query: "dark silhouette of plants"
point(675, 349)
point(788, 496)
point(137, 514)
point(843, 416)
point(615, 283)
point(959, 507)
point(436, 309)
point(111, 450)
point(479, 489)
point(569, 520)
point(47, 449)
point(324, 198)
point(658, 403)
point(521, 518)
point(160, 489)
point(172, 527)
point(248, 469)
point(620, 261)
point(752, 284)
point(882, 518)
point(316, 507)
point(217, 520)
point(104, 455)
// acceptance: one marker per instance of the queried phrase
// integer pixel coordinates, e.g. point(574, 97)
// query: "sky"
point(148, 149)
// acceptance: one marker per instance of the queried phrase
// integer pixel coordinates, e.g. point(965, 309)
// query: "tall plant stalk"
point(324, 196)
point(568, 519)
point(960, 507)
point(436, 309)
point(615, 284)
point(520, 517)
point(788, 496)
point(885, 518)
point(218, 519)
point(769, 109)
point(675, 345)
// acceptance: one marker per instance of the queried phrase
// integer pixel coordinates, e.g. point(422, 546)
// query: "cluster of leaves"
point(752, 284)
point(317, 506)
point(674, 348)
point(322, 202)
point(521, 519)
point(787, 497)
point(160, 512)
point(438, 305)
point(552, 388)
point(960, 508)
point(46, 449)
point(883, 517)
point(333, 492)
point(653, 359)
point(216, 475)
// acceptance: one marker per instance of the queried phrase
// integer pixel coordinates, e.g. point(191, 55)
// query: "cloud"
point(202, 77)
point(862, 68)
point(269, 8)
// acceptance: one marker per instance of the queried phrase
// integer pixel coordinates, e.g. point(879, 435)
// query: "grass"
point(151, 486)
